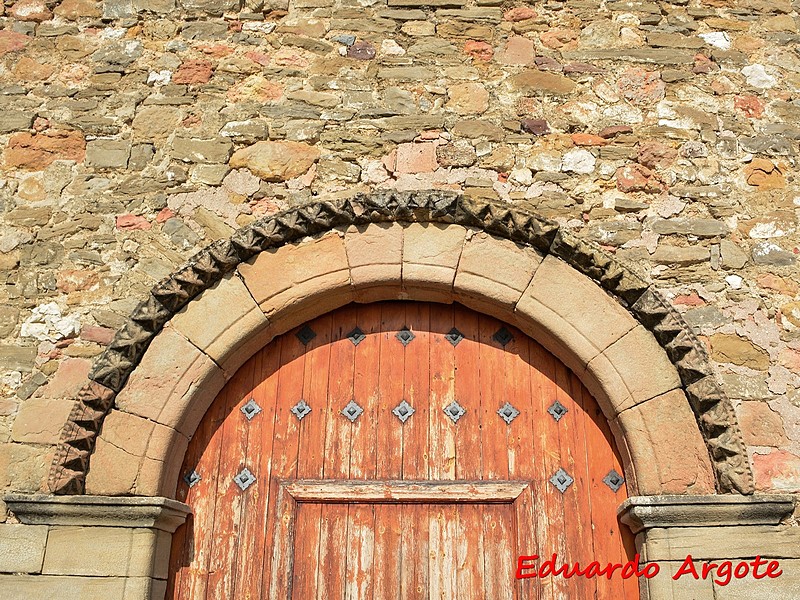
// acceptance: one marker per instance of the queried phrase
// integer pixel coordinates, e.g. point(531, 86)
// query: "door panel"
point(282, 419)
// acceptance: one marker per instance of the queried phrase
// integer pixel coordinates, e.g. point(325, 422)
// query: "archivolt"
point(110, 372)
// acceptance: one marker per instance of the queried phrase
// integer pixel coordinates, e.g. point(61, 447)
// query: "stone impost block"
point(375, 255)
point(431, 252)
point(298, 281)
point(633, 369)
point(22, 548)
point(173, 385)
point(665, 446)
point(493, 271)
point(135, 512)
point(641, 513)
point(225, 323)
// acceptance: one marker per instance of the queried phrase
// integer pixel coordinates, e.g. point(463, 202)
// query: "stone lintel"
point(647, 512)
point(99, 511)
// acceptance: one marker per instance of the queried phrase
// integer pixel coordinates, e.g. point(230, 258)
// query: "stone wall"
point(135, 133)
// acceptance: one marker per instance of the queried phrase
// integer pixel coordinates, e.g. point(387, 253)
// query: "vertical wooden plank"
point(360, 552)
point(469, 451)
point(227, 518)
point(493, 382)
point(443, 519)
point(389, 432)
point(203, 458)
point(285, 444)
point(283, 538)
point(305, 565)
point(389, 462)
point(523, 455)
point(363, 451)
point(550, 522)
point(443, 432)
point(417, 391)
point(498, 551)
point(576, 507)
point(311, 453)
point(333, 543)
point(336, 463)
point(606, 534)
point(494, 444)
point(470, 553)
point(252, 546)
point(414, 576)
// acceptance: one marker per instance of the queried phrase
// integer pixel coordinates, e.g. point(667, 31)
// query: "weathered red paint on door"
point(330, 512)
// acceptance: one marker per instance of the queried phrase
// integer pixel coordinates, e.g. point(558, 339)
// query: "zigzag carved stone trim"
point(111, 369)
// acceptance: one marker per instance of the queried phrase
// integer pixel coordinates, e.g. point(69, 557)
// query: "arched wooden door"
point(399, 450)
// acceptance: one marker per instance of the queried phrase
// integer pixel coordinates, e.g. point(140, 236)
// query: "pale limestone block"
point(128, 450)
point(663, 587)
point(299, 281)
point(665, 446)
point(580, 301)
point(636, 368)
point(431, 252)
point(784, 587)
point(39, 587)
point(101, 551)
point(225, 323)
point(723, 542)
point(174, 383)
point(494, 271)
point(375, 255)
point(40, 420)
point(22, 548)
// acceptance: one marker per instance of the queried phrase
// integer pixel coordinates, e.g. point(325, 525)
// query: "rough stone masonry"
point(135, 133)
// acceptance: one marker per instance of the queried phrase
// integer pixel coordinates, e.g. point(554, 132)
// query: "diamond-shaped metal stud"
point(301, 409)
point(503, 336)
point(508, 413)
point(250, 409)
point(562, 480)
point(455, 411)
point(306, 334)
point(192, 478)
point(403, 411)
point(405, 336)
point(557, 410)
point(352, 411)
point(454, 336)
point(244, 479)
point(614, 480)
point(356, 336)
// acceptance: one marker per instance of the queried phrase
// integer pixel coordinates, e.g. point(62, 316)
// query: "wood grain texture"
point(378, 509)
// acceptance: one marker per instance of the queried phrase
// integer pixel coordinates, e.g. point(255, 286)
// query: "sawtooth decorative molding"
point(714, 412)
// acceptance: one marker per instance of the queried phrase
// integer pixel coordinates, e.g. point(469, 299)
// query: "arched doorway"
point(298, 493)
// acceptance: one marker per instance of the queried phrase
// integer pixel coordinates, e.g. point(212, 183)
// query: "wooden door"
point(399, 450)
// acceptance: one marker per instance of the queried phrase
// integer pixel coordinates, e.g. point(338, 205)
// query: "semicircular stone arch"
point(674, 426)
